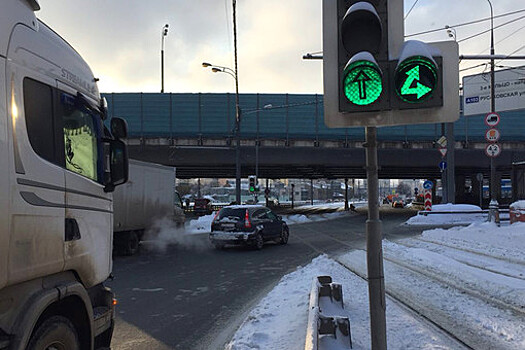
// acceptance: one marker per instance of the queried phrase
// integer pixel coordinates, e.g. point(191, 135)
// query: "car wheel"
point(259, 241)
point(56, 332)
point(285, 233)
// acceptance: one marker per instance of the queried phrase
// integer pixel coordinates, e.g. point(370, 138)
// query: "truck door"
point(4, 179)
point(37, 197)
point(88, 208)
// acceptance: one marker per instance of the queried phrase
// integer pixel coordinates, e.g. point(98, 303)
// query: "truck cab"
point(59, 164)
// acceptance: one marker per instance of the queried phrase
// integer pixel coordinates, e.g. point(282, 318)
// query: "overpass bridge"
point(285, 135)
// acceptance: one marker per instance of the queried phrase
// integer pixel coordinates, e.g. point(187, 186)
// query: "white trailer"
point(58, 165)
point(149, 195)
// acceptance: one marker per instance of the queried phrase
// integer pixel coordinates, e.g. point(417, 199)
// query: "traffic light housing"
point(252, 186)
point(373, 78)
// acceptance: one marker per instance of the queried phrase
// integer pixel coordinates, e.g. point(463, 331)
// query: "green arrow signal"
point(415, 79)
point(420, 90)
point(361, 79)
point(362, 83)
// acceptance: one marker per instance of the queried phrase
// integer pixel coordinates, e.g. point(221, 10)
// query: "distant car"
point(398, 203)
point(202, 206)
point(248, 225)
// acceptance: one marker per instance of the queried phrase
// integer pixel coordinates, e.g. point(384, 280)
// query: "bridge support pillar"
point(460, 189)
point(312, 191)
point(477, 191)
point(346, 195)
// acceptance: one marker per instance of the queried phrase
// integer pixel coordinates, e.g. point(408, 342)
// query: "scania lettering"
point(59, 165)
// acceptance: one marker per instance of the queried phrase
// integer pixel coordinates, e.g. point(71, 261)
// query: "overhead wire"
point(459, 25)
point(488, 30)
point(413, 5)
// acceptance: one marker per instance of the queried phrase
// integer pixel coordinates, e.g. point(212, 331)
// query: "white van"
point(58, 166)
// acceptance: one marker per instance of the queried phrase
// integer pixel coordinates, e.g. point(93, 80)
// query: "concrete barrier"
point(327, 328)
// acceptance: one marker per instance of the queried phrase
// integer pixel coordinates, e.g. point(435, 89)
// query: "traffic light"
point(362, 55)
point(372, 77)
point(252, 183)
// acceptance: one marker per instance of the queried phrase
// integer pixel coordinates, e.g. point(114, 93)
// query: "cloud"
point(121, 40)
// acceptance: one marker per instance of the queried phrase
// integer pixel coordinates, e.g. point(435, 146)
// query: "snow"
point(279, 320)
point(469, 280)
point(203, 223)
point(460, 217)
point(519, 205)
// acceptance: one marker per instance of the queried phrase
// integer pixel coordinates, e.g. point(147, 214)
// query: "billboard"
point(510, 91)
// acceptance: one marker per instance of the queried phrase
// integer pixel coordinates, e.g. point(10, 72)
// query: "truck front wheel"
point(55, 333)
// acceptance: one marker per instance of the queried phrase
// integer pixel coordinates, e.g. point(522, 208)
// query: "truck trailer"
point(149, 195)
point(59, 165)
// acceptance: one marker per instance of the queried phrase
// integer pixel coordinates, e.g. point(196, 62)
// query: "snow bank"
point(203, 223)
point(520, 205)
point(279, 320)
point(461, 215)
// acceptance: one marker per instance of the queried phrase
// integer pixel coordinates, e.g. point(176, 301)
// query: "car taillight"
point(247, 222)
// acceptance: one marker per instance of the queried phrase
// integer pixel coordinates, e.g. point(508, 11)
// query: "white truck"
point(149, 195)
point(58, 165)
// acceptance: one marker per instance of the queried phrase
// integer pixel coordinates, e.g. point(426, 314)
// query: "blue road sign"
point(427, 185)
point(442, 165)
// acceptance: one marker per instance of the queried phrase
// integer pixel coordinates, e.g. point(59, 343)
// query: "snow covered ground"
point(469, 280)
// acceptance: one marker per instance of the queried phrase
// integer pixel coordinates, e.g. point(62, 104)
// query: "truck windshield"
point(80, 138)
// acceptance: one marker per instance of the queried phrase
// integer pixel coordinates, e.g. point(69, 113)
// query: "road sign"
point(493, 150)
point(427, 185)
point(442, 141)
point(428, 200)
point(442, 165)
point(492, 135)
point(509, 91)
point(492, 119)
point(443, 151)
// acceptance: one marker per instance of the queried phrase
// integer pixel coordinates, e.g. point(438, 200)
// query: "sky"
point(121, 40)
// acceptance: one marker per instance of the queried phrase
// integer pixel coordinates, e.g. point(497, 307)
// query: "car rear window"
point(232, 213)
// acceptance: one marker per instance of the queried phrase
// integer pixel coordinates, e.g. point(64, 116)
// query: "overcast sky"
point(121, 39)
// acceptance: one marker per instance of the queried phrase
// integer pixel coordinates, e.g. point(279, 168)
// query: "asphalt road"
point(191, 296)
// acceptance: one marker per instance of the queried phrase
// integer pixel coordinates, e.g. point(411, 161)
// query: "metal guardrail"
point(483, 212)
point(326, 297)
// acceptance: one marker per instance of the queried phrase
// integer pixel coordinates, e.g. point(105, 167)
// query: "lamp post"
point(493, 206)
point(163, 35)
point(451, 31)
point(233, 74)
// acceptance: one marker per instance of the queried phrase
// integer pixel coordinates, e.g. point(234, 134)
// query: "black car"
point(250, 225)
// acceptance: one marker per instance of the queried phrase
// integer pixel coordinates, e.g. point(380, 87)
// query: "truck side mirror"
point(118, 164)
point(119, 128)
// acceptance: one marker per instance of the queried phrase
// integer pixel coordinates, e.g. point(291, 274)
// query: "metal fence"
point(279, 116)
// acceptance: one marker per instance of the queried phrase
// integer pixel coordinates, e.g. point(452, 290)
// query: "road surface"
point(191, 296)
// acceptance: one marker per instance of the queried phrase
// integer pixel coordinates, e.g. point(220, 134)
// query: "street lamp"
point(233, 74)
point(162, 36)
point(451, 31)
point(493, 206)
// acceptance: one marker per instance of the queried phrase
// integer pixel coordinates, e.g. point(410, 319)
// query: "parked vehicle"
point(202, 206)
point(251, 225)
point(398, 203)
point(149, 195)
point(59, 165)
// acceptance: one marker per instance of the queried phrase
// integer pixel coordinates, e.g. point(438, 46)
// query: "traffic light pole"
point(374, 250)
